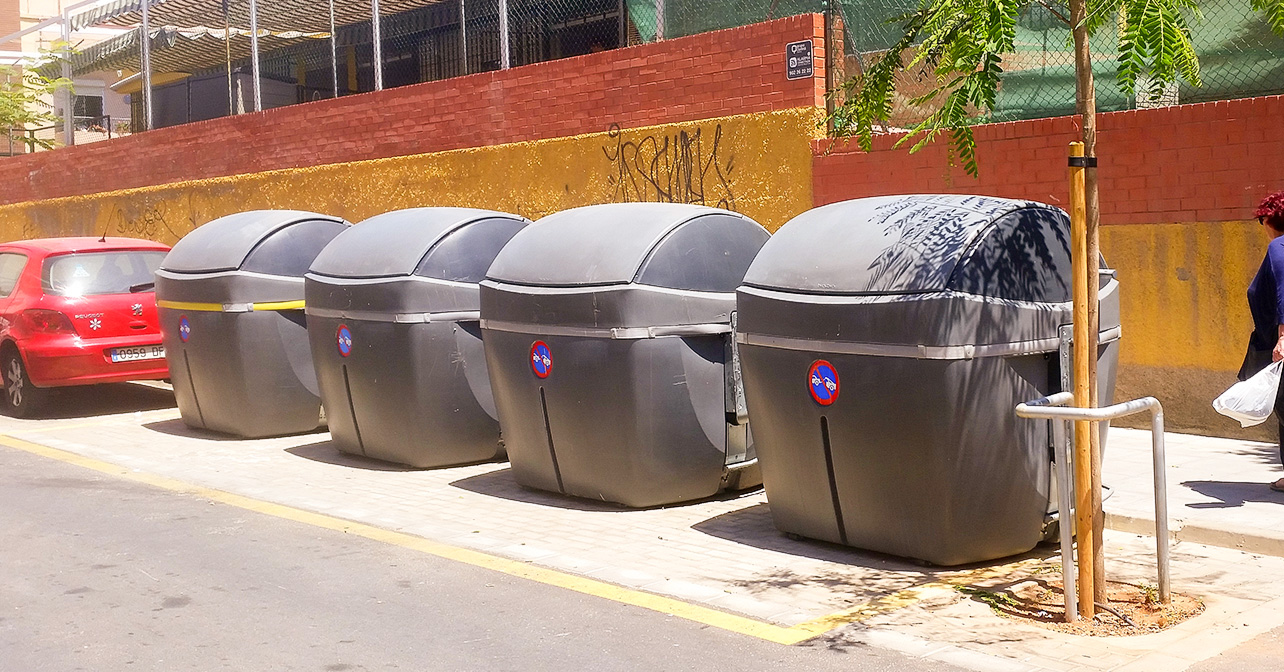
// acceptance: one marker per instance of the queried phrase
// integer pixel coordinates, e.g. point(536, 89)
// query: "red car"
point(76, 311)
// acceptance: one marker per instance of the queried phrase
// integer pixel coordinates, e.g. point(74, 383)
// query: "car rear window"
point(90, 273)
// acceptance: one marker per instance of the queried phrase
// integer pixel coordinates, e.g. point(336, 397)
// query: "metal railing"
point(22, 140)
point(87, 129)
point(1054, 408)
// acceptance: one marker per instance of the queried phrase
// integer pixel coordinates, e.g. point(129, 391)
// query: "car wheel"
point(21, 398)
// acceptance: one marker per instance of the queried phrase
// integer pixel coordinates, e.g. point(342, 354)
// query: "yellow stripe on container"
point(191, 305)
point(279, 305)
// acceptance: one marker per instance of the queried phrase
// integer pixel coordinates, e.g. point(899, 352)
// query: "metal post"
point(334, 52)
point(623, 10)
point(504, 62)
point(659, 20)
point(1159, 465)
point(69, 96)
point(463, 39)
point(1047, 408)
point(378, 47)
point(147, 67)
point(1065, 519)
point(227, 55)
point(254, 55)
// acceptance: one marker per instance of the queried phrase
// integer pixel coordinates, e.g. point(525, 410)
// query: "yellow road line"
point(704, 615)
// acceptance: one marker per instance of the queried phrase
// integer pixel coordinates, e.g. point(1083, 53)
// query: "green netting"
point(1239, 55)
point(689, 17)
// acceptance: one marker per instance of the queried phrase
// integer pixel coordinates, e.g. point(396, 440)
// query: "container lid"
point(225, 243)
point(397, 243)
point(888, 244)
point(609, 244)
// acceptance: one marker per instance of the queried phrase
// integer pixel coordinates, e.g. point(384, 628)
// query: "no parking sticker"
point(345, 340)
point(541, 359)
point(822, 382)
point(184, 329)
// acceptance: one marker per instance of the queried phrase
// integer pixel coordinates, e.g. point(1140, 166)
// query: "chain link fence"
point(1239, 56)
point(460, 37)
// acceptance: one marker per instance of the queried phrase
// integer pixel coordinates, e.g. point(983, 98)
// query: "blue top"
point(1266, 298)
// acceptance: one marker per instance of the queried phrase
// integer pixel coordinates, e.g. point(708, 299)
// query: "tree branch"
point(1059, 15)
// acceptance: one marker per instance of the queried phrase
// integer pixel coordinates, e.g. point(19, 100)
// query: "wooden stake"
point(1086, 106)
point(1082, 429)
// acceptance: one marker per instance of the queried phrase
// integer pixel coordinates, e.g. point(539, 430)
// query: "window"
point(89, 106)
point(11, 266)
point(100, 272)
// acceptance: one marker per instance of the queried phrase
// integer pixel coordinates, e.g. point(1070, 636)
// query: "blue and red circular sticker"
point(344, 337)
point(184, 328)
point(541, 359)
point(822, 382)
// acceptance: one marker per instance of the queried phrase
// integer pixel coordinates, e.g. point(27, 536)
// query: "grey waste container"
point(607, 340)
point(230, 295)
point(885, 343)
point(393, 319)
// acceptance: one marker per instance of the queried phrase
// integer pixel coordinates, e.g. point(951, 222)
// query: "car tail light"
point(47, 322)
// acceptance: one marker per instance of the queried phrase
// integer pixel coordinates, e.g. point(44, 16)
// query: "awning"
point(192, 47)
point(273, 15)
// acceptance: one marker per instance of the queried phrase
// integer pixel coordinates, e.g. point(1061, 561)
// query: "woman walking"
point(1266, 303)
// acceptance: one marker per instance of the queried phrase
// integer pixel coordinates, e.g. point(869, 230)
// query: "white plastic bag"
point(1251, 401)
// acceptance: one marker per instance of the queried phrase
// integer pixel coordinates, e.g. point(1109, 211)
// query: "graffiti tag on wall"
point(150, 224)
point(681, 167)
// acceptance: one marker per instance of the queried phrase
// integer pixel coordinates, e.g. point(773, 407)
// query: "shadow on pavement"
point(325, 451)
point(1264, 453)
point(1234, 493)
point(500, 484)
point(177, 427)
point(752, 526)
point(87, 401)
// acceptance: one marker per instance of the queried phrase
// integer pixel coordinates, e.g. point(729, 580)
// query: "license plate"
point(137, 354)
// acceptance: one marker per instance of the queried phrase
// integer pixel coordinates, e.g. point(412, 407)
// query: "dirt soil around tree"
point(1136, 608)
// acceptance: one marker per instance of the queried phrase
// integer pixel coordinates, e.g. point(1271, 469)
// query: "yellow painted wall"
point(758, 165)
point(1185, 315)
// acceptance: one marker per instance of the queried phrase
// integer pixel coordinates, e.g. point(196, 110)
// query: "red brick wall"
point(736, 71)
point(1208, 162)
point(10, 24)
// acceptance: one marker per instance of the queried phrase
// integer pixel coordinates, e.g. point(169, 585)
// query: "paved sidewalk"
point(725, 553)
point(1218, 490)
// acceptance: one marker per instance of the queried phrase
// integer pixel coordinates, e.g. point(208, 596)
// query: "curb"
point(1251, 540)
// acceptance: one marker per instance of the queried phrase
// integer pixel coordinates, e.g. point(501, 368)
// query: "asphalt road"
point(104, 574)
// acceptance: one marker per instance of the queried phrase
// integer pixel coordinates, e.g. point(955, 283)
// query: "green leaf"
point(1273, 10)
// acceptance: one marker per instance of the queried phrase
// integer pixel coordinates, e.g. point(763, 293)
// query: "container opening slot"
point(833, 481)
point(352, 408)
point(191, 385)
point(548, 431)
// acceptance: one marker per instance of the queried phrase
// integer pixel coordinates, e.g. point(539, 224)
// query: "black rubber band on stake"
point(1083, 162)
